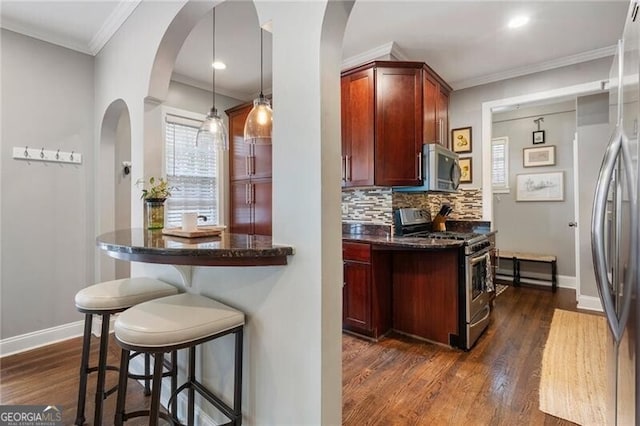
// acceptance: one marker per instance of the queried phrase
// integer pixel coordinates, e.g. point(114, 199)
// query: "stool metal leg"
point(237, 385)
point(554, 279)
point(102, 369)
point(122, 387)
point(191, 392)
point(147, 372)
point(84, 369)
point(174, 382)
point(156, 387)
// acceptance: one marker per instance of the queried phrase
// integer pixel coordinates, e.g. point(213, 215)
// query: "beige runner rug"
point(573, 380)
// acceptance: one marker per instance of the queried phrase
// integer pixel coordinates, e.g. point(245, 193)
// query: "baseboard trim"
point(36, 339)
point(564, 281)
point(589, 303)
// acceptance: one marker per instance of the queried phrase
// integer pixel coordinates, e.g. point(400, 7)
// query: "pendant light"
point(257, 128)
point(213, 126)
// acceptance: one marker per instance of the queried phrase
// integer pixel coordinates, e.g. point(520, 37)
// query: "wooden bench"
point(517, 256)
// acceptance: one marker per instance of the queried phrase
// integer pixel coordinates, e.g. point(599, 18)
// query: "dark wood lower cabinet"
point(366, 290)
point(425, 294)
point(412, 292)
point(251, 212)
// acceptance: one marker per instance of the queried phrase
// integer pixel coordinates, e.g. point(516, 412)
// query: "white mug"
point(189, 221)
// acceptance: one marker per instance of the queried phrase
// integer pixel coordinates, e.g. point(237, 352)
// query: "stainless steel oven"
point(478, 286)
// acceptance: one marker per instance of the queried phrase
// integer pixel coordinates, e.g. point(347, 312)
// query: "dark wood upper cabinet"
point(389, 110)
point(250, 179)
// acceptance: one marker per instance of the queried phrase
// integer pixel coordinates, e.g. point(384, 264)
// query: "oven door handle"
point(477, 259)
point(487, 309)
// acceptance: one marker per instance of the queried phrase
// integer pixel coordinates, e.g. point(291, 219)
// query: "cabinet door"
point(429, 109)
point(239, 151)
point(398, 126)
point(358, 128)
point(240, 220)
point(443, 117)
point(356, 296)
point(261, 204)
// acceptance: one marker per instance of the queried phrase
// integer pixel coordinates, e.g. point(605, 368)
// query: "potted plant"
point(154, 194)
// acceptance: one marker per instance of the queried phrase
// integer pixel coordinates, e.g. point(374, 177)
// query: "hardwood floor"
point(396, 381)
point(399, 381)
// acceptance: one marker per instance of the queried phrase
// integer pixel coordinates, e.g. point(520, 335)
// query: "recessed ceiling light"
point(219, 65)
point(518, 21)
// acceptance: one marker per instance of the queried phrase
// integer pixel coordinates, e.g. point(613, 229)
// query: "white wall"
point(293, 338)
point(47, 221)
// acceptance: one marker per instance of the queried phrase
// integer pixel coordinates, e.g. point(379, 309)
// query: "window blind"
point(500, 164)
point(191, 170)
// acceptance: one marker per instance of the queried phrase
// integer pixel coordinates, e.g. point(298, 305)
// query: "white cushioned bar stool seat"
point(104, 299)
point(178, 322)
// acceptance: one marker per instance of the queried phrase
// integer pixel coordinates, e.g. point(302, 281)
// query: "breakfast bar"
point(226, 249)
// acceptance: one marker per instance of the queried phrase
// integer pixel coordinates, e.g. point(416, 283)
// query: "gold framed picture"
point(461, 139)
point(466, 170)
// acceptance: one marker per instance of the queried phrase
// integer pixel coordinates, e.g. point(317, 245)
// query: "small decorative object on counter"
point(155, 195)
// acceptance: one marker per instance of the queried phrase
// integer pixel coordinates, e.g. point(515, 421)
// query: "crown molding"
point(390, 48)
point(532, 69)
point(30, 31)
point(181, 78)
point(114, 21)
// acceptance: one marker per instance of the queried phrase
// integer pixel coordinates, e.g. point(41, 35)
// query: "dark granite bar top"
point(151, 246)
point(393, 241)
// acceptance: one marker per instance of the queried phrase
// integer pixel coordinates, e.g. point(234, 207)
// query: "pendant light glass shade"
point(259, 124)
point(213, 127)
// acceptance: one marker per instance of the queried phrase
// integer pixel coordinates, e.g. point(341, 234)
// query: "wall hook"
point(71, 156)
point(58, 155)
point(26, 151)
point(537, 121)
point(42, 152)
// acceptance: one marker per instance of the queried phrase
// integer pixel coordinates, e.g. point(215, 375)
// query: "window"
point(500, 164)
point(192, 170)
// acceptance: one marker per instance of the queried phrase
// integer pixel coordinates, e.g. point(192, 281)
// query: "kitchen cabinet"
point(366, 290)
point(249, 178)
point(389, 110)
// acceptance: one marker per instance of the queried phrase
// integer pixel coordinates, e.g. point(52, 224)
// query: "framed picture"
point(466, 170)
point(540, 187)
point(539, 156)
point(538, 137)
point(461, 139)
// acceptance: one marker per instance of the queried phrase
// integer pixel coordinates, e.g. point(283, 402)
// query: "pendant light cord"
point(213, 69)
point(261, 61)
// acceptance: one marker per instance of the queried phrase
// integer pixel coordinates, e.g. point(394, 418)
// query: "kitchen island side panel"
point(425, 294)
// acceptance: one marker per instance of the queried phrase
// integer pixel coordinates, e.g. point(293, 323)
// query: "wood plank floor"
point(397, 381)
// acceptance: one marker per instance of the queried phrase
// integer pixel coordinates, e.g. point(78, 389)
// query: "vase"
point(155, 213)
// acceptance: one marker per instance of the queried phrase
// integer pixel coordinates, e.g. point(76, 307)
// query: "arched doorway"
point(114, 179)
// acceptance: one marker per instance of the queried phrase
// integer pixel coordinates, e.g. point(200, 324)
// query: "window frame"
point(501, 189)
point(190, 115)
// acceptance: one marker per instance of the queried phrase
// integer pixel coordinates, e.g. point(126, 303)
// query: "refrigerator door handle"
point(597, 232)
point(617, 148)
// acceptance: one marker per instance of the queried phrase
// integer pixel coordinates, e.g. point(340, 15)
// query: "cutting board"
point(201, 231)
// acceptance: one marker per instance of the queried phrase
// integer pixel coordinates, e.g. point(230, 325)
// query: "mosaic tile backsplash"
point(376, 205)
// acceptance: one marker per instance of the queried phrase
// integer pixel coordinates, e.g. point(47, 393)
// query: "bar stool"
point(105, 299)
point(168, 324)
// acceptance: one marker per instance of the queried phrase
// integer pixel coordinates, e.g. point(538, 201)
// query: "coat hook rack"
point(52, 156)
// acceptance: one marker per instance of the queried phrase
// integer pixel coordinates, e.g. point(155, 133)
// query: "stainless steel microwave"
point(440, 169)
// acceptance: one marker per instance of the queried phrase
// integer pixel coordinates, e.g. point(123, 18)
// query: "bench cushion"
point(175, 320)
point(526, 256)
point(121, 294)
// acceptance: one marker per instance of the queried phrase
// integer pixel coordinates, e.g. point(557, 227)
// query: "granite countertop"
point(404, 242)
point(228, 249)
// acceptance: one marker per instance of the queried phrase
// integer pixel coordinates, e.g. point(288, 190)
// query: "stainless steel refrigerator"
point(614, 229)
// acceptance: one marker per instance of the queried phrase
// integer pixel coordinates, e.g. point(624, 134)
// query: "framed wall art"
point(466, 170)
point(538, 137)
point(461, 139)
point(540, 186)
point(539, 156)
